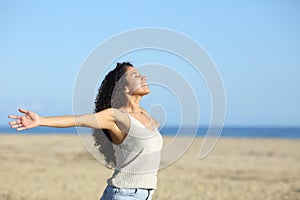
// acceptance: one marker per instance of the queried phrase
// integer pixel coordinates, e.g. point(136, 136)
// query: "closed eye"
point(135, 75)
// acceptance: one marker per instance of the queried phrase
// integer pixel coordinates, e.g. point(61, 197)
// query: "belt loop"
point(148, 193)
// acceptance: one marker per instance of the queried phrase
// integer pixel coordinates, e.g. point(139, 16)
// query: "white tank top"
point(137, 157)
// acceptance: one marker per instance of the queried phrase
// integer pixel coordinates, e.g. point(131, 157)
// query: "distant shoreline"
point(227, 132)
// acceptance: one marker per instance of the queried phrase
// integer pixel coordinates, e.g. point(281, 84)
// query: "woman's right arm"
point(101, 120)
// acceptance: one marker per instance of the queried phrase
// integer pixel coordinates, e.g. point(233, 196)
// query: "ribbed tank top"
point(137, 158)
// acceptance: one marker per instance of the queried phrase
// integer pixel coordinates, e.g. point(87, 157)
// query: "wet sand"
point(40, 167)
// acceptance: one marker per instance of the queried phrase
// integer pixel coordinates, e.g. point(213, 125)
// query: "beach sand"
point(39, 167)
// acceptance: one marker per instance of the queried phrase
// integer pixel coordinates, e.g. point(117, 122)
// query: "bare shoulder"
point(116, 122)
point(121, 119)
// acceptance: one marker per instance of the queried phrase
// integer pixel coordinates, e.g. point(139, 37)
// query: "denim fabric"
point(113, 193)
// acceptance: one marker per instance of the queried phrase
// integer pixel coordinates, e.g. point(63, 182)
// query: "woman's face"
point(136, 83)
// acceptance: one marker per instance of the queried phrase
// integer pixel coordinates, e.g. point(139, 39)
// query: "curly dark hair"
point(110, 95)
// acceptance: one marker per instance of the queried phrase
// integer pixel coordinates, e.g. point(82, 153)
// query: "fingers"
point(15, 126)
point(18, 126)
point(21, 129)
point(14, 117)
point(18, 117)
point(14, 122)
point(17, 121)
point(23, 111)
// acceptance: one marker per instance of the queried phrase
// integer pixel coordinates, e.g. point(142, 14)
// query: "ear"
point(126, 90)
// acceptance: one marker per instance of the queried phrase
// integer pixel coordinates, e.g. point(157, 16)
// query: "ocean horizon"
point(232, 131)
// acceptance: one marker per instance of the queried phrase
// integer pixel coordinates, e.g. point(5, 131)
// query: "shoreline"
point(163, 135)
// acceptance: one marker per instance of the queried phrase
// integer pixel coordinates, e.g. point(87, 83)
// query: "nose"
point(144, 77)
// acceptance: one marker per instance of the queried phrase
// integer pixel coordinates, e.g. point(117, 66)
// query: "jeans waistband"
point(148, 189)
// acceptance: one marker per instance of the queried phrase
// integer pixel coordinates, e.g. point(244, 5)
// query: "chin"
point(147, 92)
point(142, 91)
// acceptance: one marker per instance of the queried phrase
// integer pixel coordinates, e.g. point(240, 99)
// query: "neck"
point(134, 104)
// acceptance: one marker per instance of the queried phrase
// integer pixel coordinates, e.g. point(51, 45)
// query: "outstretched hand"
point(26, 121)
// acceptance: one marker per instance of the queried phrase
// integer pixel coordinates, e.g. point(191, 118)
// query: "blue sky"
point(254, 44)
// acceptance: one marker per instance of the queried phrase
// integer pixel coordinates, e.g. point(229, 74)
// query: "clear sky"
point(255, 45)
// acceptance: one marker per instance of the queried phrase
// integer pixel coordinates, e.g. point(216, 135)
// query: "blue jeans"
point(114, 193)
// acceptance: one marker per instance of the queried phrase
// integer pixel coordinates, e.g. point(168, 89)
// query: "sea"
point(235, 132)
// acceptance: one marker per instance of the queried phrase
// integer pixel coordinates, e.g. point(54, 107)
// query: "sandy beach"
point(40, 167)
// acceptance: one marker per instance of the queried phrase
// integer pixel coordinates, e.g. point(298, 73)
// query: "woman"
point(124, 132)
